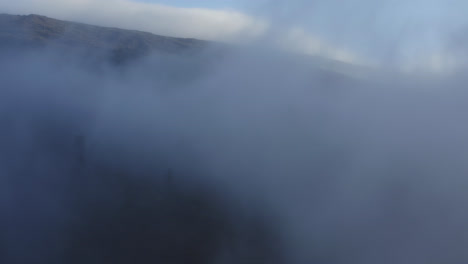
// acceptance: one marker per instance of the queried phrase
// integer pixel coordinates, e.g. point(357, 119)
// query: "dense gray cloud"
point(259, 154)
point(344, 170)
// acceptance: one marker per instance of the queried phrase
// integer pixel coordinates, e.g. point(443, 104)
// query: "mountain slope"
point(39, 31)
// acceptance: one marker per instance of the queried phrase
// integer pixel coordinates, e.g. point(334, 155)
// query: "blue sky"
point(216, 4)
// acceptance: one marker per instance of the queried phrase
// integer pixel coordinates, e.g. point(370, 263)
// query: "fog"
point(253, 156)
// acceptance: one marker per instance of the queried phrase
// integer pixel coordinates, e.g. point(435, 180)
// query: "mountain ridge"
point(39, 31)
point(120, 46)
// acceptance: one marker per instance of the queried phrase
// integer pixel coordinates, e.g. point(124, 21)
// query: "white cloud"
point(300, 40)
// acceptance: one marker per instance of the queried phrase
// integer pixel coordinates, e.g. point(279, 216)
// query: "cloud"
point(377, 164)
point(406, 35)
point(359, 171)
point(300, 40)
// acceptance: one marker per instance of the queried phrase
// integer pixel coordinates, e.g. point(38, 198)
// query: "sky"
point(197, 4)
point(408, 34)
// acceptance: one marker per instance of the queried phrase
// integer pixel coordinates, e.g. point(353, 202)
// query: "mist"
point(252, 156)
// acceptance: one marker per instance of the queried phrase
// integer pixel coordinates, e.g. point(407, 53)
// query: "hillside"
point(120, 46)
point(40, 31)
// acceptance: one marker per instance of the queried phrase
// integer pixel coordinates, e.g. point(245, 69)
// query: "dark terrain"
point(63, 200)
point(34, 31)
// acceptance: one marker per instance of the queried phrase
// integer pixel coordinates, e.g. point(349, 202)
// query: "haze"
point(263, 149)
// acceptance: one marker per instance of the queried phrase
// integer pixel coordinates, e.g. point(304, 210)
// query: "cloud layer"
point(353, 171)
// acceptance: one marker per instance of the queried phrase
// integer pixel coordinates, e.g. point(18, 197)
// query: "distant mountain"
point(119, 46)
point(19, 31)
